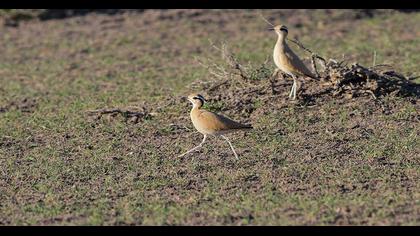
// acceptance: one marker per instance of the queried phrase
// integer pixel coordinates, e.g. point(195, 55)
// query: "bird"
point(287, 61)
point(210, 123)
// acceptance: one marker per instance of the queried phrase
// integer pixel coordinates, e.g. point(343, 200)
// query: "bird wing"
point(217, 122)
point(297, 64)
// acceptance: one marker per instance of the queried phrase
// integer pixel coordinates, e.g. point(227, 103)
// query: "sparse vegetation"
point(329, 159)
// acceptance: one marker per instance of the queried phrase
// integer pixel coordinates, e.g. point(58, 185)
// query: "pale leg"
point(293, 88)
point(201, 144)
point(236, 155)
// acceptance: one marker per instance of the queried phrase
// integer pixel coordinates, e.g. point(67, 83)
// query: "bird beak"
point(270, 29)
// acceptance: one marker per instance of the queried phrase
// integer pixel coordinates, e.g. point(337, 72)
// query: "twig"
point(221, 73)
point(231, 60)
point(265, 19)
point(371, 93)
point(374, 59)
point(179, 126)
point(125, 113)
point(314, 66)
point(296, 41)
point(413, 77)
point(314, 55)
point(381, 65)
point(214, 87)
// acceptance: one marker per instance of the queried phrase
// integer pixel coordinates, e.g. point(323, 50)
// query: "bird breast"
point(203, 125)
point(280, 59)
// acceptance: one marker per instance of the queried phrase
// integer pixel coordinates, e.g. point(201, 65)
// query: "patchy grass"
point(341, 162)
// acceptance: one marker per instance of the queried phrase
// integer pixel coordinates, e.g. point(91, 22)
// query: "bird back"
point(211, 122)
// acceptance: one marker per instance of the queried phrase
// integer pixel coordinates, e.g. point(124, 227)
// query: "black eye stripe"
point(284, 29)
point(199, 98)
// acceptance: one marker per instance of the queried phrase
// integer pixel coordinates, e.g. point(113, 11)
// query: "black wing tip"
point(313, 77)
point(244, 127)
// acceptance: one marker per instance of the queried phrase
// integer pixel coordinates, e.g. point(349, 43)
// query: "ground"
point(324, 160)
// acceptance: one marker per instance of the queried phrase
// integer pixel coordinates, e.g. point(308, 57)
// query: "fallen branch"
point(117, 110)
point(127, 114)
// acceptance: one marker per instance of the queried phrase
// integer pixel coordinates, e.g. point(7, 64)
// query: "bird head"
point(196, 99)
point(280, 30)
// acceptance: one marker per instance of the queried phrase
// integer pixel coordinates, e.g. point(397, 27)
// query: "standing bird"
point(209, 123)
point(287, 61)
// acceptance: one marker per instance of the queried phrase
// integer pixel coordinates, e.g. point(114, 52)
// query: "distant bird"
point(287, 61)
point(209, 123)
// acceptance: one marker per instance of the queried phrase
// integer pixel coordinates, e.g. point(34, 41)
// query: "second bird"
point(287, 61)
point(209, 123)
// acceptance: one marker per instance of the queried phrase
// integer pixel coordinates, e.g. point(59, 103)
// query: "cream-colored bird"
point(209, 123)
point(287, 61)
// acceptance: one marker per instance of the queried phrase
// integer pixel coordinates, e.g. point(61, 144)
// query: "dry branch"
point(231, 60)
point(264, 19)
point(127, 114)
point(339, 78)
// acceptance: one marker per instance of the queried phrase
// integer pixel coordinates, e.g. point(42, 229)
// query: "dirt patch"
point(26, 105)
point(240, 91)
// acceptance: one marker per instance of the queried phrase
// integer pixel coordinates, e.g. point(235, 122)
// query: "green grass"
point(300, 165)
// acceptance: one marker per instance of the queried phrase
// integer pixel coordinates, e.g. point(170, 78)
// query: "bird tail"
point(245, 127)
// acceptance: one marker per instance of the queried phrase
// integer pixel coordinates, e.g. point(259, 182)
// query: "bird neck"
point(195, 112)
point(281, 43)
point(196, 106)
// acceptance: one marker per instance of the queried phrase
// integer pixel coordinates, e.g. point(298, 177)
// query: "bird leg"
point(236, 155)
point(294, 88)
point(200, 145)
point(292, 91)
